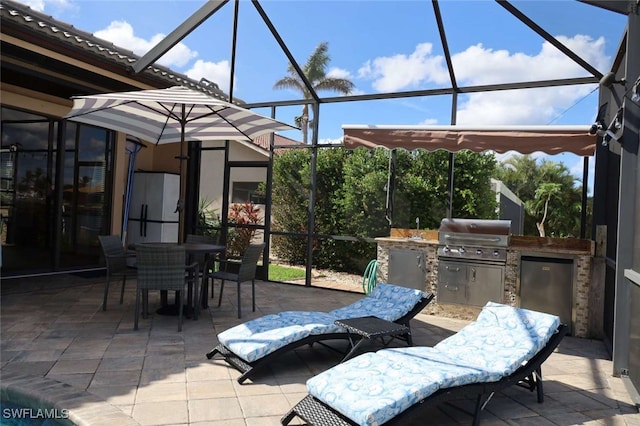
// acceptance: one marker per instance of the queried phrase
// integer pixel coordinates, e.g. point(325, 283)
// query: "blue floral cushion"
point(373, 388)
point(257, 338)
point(254, 339)
point(537, 326)
point(387, 301)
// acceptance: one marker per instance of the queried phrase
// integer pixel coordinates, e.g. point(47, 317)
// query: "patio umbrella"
point(176, 114)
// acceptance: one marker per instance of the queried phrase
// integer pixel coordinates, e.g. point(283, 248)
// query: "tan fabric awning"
point(523, 139)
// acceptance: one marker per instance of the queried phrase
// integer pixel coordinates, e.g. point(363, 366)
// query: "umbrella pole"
point(183, 180)
point(132, 147)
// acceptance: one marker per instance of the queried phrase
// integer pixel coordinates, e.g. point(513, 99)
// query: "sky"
point(381, 46)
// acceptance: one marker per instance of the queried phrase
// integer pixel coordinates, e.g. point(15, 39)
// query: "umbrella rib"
point(168, 113)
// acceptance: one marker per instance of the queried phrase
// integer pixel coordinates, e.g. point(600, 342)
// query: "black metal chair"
point(116, 260)
point(246, 272)
point(162, 267)
point(207, 262)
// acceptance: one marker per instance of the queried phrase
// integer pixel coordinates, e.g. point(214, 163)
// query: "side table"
point(370, 328)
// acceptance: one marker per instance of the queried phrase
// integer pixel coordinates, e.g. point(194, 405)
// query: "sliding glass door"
point(50, 221)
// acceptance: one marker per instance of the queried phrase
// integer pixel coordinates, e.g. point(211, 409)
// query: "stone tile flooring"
point(57, 343)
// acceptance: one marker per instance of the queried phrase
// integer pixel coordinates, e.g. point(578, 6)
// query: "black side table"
point(370, 328)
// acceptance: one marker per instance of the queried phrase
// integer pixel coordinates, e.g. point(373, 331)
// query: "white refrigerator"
point(152, 214)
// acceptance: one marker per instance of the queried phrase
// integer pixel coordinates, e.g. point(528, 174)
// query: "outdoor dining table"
point(208, 250)
point(191, 249)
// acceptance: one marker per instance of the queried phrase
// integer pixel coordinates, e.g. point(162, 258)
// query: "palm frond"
point(290, 83)
point(316, 66)
point(341, 85)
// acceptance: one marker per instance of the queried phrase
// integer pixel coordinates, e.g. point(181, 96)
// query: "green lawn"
point(285, 273)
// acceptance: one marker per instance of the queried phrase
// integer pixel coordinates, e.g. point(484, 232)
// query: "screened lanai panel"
point(356, 52)
point(343, 262)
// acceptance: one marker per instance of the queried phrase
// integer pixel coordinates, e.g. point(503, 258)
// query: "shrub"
point(240, 235)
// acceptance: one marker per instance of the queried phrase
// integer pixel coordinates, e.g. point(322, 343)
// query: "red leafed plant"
point(240, 237)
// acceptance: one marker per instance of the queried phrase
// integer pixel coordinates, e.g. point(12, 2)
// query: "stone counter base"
point(581, 281)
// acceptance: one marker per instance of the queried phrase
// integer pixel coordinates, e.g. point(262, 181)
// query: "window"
point(244, 192)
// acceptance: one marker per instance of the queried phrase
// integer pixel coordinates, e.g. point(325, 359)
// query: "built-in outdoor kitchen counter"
point(549, 273)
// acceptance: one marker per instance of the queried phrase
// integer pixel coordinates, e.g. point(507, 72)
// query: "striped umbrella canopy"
point(176, 114)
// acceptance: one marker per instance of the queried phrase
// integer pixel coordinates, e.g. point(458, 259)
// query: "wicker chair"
point(162, 267)
point(246, 272)
point(206, 262)
point(116, 259)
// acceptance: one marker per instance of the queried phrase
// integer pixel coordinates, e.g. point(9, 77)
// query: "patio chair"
point(207, 262)
point(162, 267)
point(255, 344)
point(246, 272)
point(116, 261)
point(505, 346)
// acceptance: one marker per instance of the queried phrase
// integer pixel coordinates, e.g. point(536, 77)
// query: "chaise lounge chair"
point(250, 346)
point(505, 346)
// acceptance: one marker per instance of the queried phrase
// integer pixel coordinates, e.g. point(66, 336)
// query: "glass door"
point(50, 221)
point(85, 214)
point(28, 161)
point(247, 183)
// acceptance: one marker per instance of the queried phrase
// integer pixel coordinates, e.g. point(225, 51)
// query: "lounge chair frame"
point(315, 412)
point(248, 369)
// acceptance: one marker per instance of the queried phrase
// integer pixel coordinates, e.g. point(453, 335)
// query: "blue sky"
point(382, 46)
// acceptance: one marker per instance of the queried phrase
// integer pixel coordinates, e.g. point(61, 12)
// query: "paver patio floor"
point(58, 334)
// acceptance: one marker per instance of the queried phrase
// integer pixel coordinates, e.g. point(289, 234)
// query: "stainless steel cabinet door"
point(408, 268)
point(485, 284)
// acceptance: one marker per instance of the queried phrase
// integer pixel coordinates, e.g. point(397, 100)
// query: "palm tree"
point(543, 196)
point(316, 72)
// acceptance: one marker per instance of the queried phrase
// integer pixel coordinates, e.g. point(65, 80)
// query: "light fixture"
point(609, 79)
point(208, 83)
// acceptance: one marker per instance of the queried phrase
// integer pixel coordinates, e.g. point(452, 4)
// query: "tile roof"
point(263, 142)
point(74, 38)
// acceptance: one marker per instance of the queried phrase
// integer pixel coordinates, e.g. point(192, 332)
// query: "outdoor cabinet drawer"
point(452, 283)
point(470, 284)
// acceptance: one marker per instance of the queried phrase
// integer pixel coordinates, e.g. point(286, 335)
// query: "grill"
point(472, 255)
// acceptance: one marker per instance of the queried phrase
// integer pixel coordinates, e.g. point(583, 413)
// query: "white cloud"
point(330, 141)
point(398, 72)
point(217, 72)
point(40, 5)
point(428, 122)
point(478, 65)
point(339, 73)
point(121, 34)
point(35, 4)
point(526, 106)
